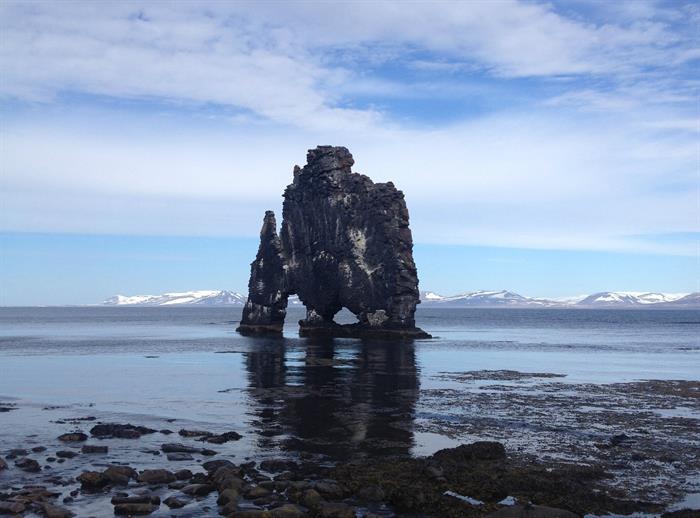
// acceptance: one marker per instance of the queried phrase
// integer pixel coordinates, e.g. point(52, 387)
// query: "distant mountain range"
point(484, 299)
point(603, 299)
point(190, 298)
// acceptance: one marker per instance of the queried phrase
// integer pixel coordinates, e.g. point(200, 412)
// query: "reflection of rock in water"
point(336, 401)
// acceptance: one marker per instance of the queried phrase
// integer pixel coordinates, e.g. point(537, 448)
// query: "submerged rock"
point(12, 507)
point(174, 503)
point(93, 480)
point(179, 448)
point(73, 437)
point(179, 456)
point(134, 509)
point(16, 452)
point(92, 448)
point(156, 476)
point(53, 511)
point(532, 511)
point(120, 475)
point(344, 243)
point(66, 454)
point(122, 431)
point(193, 433)
point(29, 465)
point(480, 450)
point(221, 438)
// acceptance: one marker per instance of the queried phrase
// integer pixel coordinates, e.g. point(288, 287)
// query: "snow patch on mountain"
point(602, 299)
point(483, 298)
point(633, 298)
point(197, 298)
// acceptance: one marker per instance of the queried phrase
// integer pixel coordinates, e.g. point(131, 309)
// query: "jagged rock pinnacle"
point(344, 242)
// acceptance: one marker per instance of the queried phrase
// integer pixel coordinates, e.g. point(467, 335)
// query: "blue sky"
point(548, 148)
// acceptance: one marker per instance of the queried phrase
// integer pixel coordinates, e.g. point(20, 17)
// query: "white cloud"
point(287, 61)
point(549, 175)
point(517, 180)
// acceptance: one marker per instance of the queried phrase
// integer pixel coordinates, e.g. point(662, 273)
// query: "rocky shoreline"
point(477, 479)
point(519, 444)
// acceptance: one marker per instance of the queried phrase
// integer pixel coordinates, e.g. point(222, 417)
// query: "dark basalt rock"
point(122, 431)
point(344, 243)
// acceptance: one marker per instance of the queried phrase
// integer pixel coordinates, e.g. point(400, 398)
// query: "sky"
point(550, 148)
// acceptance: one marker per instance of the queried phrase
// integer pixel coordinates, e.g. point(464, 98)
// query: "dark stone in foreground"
point(179, 456)
point(92, 480)
point(66, 454)
point(134, 509)
point(12, 507)
point(344, 243)
point(73, 437)
point(92, 448)
point(120, 475)
point(480, 471)
point(16, 452)
point(193, 433)
point(28, 465)
point(179, 448)
point(174, 502)
point(221, 438)
point(532, 511)
point(480, 450)
point(122, 431)
point(156, 476)
point(463, 482)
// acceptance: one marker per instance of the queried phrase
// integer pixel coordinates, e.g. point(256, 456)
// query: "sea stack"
point(344, 243)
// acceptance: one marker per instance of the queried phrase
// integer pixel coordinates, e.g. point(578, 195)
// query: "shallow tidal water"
point(185, 367)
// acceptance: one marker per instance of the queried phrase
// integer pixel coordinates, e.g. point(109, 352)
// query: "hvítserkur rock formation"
point(344, 242)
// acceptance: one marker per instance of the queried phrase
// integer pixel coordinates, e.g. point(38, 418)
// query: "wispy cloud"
point(284, 60)
point(601, 144)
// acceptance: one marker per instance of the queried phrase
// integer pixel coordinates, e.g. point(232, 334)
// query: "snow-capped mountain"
point(630, 298)
point(186, 298)
point(603, 299)
point(196, 298)
point(691, 299)
point(485, 299)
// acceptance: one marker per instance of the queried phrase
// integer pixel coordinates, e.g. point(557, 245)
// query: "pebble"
point(156, 476)
point(134, 509)
point(335, 510)
point(66, 454)
point(179, 456)
point(198, 489)
point(183, 474)
point(93, 448)
point(28, 465)
point(174, 502)
point(73, 437)
point(7, 507)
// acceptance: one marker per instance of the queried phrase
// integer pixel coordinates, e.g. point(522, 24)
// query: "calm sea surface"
point(151, 365)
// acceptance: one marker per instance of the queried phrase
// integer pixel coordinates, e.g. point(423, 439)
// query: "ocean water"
point(187, 366)
point(188, 362)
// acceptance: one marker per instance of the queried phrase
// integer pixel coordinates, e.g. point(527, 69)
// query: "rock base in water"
point(260, 329)
point(335, 330)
